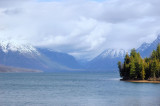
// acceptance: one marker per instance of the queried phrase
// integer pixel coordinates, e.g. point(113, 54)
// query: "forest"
point(135, 67)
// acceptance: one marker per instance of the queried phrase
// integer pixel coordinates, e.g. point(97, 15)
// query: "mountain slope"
point(27, 56)
point(146, 49)
point(61, 58)
point(107, 60)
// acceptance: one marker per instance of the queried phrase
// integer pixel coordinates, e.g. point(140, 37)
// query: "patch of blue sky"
point(63, 0)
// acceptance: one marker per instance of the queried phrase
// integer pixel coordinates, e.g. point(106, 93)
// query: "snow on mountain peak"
point(113, 53)
point(7, 46)
point(143, 46)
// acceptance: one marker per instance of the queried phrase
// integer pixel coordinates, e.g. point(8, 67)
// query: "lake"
point(75, 89)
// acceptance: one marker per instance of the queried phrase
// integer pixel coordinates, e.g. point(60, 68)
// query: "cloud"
point(83, 28)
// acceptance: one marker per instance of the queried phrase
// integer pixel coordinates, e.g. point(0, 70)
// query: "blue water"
point(74, 89)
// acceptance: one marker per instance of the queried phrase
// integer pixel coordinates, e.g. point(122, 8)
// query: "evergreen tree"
point(133, 52)
point(120, 69)
point(154, 55)
point(126, 66)
point(147, 70)
point(127, 59)
point(153, 68)
point(142, 72)
point(132, 70)
point(158, 69)
point(134, 67)
point(158, 52)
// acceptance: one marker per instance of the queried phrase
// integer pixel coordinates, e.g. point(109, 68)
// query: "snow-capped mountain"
point(143, 47)
point(112, 53)
point(7, 46)
point(146, 48)
point(107, 60)
point(27, 56)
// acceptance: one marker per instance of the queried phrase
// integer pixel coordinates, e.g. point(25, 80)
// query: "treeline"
point(136, 68)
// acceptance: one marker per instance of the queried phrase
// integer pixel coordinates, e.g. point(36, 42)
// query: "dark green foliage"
point(134, 67)
point(133, 74)
point(133, 53)
point(143, 72)
point(154, 55)
point(120, 67)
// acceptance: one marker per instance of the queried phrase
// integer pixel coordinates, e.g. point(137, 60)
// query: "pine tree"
point(126, 66)
point(133, 52)
point(154, 55)
point(153, 68)
point(127, 59)
point(120, 69)
point(134, 67)
point(132, 70)
point(158, 52)
point(147, 69)
point(142, 72)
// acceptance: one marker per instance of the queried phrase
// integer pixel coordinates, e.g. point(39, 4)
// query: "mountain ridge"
point(27, 56)
point(146, 48)
point(107, 60)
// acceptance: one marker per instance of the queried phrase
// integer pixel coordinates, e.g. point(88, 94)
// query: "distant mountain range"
point(107, 60)
point(29, 57)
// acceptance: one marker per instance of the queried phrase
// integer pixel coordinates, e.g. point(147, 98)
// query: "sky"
point(82, 28)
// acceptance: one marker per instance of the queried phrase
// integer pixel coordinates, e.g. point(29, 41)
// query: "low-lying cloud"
point(83, 28)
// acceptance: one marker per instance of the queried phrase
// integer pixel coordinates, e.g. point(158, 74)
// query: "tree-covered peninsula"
point(137, 68)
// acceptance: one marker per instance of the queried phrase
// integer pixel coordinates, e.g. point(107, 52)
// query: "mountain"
point(27, 56)
point(61, 58)
point(107, 60)
point(146, 48)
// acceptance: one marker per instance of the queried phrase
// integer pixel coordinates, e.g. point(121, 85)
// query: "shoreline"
point(140, 81)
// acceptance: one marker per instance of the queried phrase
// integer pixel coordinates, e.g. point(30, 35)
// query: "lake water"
point(74, 89)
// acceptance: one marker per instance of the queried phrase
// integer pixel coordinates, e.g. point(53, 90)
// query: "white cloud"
point(80, 27)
